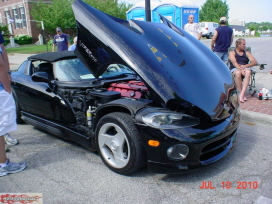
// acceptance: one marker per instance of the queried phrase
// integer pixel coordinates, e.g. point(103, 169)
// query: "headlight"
point(169, 120)
point(178, 152)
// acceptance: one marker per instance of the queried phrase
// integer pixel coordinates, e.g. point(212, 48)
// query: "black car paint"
point(181, 81)
point(168, 62)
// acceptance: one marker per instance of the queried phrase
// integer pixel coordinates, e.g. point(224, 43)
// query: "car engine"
point(85, 102)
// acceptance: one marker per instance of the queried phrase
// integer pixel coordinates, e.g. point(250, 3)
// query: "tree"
point(59, 13)
point(4, 29)
point(252, 26)
point(259, 26)
point(111, 7)
point(212, 10)
point(263, 28)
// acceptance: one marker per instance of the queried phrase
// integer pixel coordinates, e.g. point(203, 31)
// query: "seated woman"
point(240, 63)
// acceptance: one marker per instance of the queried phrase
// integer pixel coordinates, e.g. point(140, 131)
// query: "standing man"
point(7, 113)
point(193, 28)
point(222, 40)
point(60, 40)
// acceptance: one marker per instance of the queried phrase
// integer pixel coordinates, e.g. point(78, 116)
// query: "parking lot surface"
point(67, 173)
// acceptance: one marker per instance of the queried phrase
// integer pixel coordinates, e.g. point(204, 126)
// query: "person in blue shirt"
point(222, 40)
point(60, 40)
point(7, 113)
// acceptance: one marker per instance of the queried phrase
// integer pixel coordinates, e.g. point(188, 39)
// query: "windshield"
point(115, 70)
point(74, 70)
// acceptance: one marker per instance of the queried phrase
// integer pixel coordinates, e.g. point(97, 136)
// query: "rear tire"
point(209, 36)
point(18, 112)
point(119, 144)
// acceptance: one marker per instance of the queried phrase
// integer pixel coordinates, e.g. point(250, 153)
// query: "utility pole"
point(147, 11)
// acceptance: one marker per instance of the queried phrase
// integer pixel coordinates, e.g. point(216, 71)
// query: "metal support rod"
point(147, 11)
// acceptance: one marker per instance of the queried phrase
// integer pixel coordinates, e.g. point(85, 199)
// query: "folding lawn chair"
point(251, 86)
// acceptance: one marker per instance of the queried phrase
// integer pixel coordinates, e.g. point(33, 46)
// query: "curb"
point(252, 118)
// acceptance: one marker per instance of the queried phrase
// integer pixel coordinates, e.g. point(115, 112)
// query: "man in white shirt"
point(193, 28)
point(7, 113)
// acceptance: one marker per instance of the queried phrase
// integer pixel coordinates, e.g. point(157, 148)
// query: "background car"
point(208, 29)
point(134, 92)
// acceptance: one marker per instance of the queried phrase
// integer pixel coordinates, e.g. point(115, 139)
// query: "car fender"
point(131, 107)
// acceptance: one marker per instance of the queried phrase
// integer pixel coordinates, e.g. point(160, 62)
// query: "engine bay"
point(85, 103)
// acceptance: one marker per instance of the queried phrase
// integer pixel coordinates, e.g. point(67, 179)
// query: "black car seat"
point(46, 67)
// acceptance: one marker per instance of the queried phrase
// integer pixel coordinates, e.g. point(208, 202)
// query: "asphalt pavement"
point(65, 173)
point(15, 60)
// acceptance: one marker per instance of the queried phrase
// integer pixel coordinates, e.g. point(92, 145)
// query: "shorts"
point(233, 69)
point(7, 113)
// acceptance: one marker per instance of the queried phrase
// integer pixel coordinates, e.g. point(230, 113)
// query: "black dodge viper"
point(139, 93)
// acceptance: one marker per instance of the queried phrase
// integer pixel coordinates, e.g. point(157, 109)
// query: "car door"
point(22, 85)
point(39, 99)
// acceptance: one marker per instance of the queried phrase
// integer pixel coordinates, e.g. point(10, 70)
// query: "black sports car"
point(139, 93)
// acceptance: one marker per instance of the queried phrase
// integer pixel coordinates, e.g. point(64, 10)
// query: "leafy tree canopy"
point(111, 7)
point(213, 10)
point(4, 29)
point(259, 26)
point(59, 13)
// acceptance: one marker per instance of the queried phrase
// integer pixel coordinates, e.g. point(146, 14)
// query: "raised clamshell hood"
point(172, 63)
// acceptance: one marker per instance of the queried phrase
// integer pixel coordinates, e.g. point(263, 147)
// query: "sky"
point(242, 10)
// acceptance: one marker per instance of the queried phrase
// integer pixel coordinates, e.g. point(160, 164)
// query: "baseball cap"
point(223, 19)
point(58, 29)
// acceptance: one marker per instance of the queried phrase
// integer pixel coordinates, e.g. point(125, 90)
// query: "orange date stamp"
point(229, 185)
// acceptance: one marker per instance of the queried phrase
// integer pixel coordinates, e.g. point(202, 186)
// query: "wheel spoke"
point(120, 160)
point(104, 139)
point(120, 137)
point(120, 156)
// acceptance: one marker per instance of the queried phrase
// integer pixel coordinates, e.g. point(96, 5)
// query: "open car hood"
point(174, 65)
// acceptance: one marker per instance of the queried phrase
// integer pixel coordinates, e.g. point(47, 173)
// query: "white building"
point(237, 22)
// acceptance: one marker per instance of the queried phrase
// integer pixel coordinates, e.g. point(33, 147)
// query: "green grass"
point(29, 49)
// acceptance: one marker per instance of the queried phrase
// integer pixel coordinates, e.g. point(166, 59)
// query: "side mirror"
point(40, 77)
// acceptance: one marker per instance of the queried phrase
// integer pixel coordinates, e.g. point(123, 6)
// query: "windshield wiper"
point(125, 74)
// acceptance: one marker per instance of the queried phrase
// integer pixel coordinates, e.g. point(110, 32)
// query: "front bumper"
point(174, 168)
point(206, 145)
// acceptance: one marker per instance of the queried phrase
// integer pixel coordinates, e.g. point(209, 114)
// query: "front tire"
point(119, 144)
